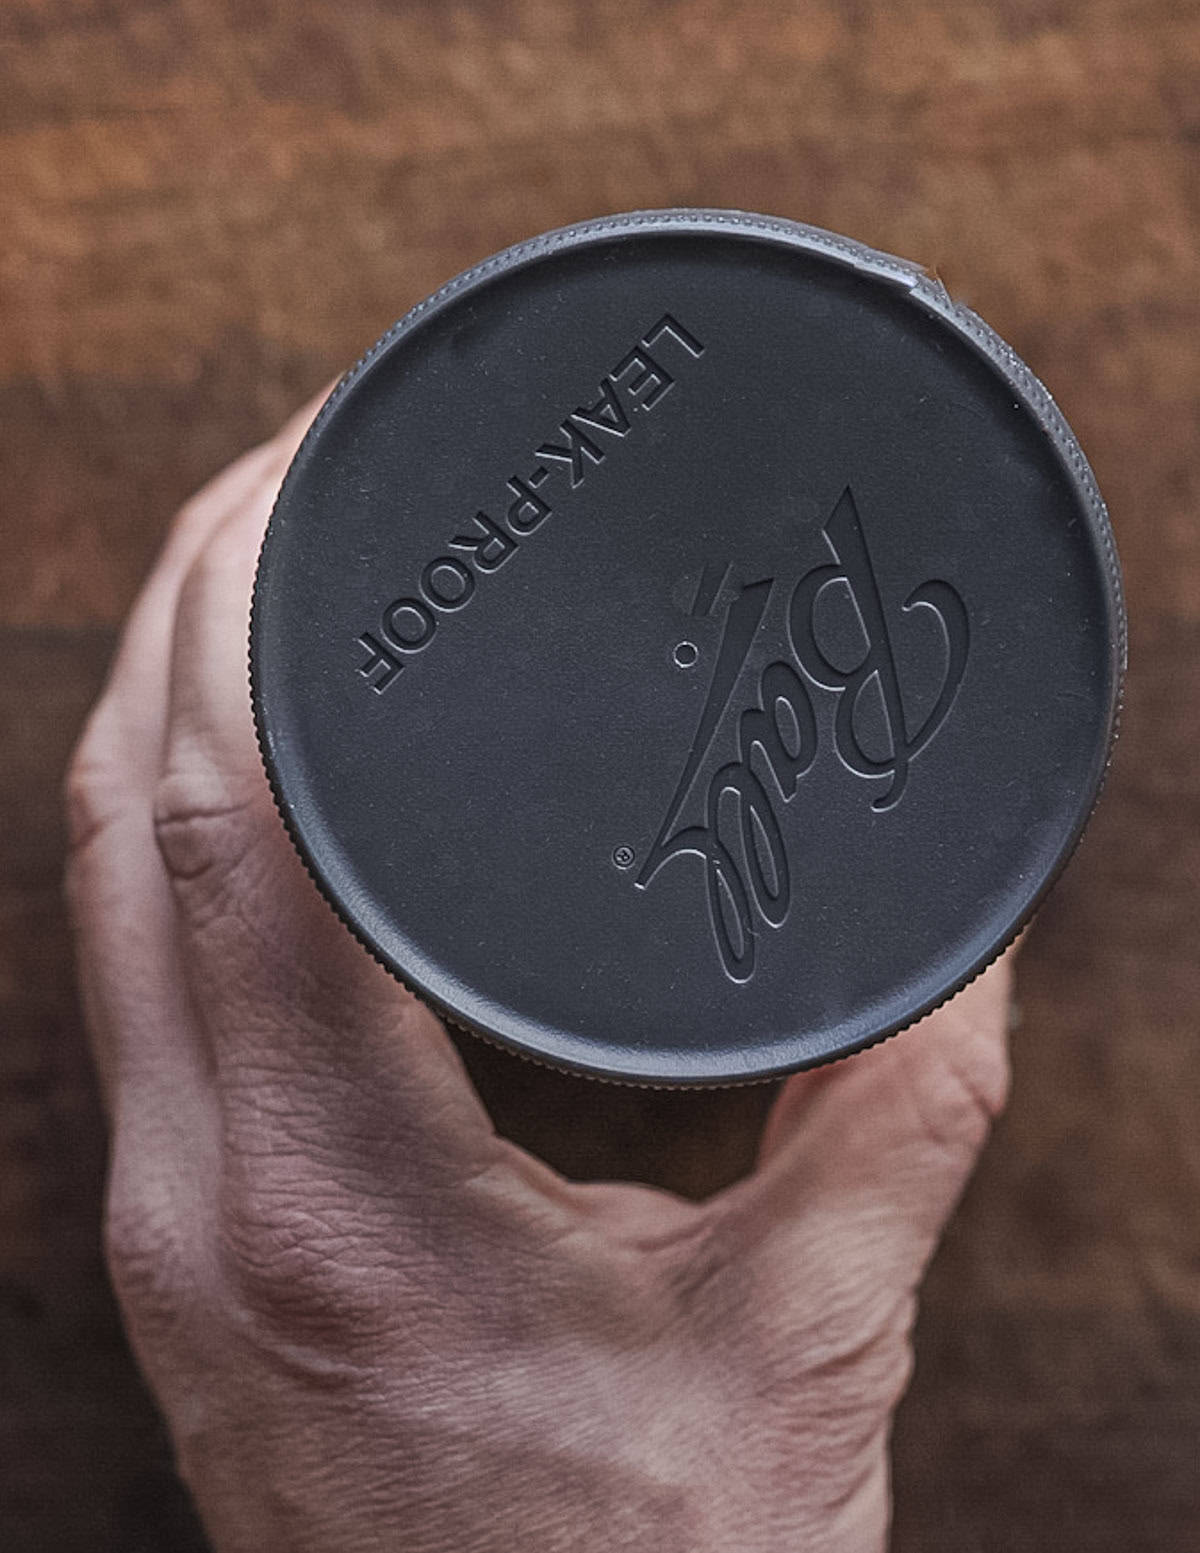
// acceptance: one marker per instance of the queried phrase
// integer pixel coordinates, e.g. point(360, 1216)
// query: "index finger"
point(310, 1036)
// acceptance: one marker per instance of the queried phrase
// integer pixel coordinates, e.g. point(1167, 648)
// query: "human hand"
point(371, 1323)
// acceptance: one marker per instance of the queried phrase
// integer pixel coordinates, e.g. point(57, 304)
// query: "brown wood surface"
point(209, 207)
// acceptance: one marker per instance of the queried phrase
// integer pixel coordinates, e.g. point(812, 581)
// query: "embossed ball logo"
point(736, 831)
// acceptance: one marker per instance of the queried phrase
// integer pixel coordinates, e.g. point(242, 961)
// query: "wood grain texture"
point(209, 207)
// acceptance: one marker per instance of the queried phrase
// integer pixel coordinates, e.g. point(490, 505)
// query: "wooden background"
point(209, 207)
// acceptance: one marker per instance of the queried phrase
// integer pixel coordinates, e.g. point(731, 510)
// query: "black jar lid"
point(686, 647)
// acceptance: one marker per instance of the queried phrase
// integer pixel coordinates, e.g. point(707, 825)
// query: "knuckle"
point(202, 830)
point(967, 1090)
point(299, 1258)
point(147, 1257)
point(94, 791)
point(222, 557)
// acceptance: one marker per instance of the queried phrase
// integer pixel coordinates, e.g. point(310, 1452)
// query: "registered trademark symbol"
point(623, 857)
point(685, 654)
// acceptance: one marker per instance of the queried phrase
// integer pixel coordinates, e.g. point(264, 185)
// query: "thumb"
point(862, 1162)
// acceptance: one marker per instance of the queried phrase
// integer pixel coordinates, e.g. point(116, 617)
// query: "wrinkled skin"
point(371, 1323)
